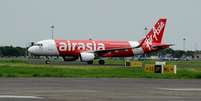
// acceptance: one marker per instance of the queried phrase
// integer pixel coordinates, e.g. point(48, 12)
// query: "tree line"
point(10, 51)
point(174, 53)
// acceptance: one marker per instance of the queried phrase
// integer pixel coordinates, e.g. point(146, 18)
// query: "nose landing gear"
point(101, 62)
point(47, 61)
point(90, 62)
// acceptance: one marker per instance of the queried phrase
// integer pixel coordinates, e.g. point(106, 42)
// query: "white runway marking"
point(181, 89)
point(20, 97)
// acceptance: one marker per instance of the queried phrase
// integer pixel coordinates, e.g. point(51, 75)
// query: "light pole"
point(145, 33)
point(184, 44)
point(52, 30)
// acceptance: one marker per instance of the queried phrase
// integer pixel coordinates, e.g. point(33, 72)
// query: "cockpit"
point(44, 48)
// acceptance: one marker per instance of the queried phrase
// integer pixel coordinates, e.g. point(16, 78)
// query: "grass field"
point(20, 68)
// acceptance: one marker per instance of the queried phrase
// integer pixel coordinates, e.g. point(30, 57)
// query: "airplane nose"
point(32, 50)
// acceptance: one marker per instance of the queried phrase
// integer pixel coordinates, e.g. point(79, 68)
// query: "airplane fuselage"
point(75, 47)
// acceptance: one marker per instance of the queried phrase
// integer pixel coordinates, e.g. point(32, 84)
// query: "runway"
point(98, 89)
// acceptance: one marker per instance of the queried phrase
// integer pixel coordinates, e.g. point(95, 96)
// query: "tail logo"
point(154, 36)
point(156, 31)
point(148, 43)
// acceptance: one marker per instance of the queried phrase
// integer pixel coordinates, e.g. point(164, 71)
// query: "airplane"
point(89, 50)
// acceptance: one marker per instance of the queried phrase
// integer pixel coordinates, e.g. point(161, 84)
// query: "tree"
point(12, 51)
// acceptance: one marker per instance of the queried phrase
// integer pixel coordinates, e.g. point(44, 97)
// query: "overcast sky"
point(22, 21)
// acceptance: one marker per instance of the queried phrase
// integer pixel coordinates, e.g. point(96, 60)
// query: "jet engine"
point(85, 57)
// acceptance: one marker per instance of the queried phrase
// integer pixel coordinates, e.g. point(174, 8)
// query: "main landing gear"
point(90, 62)
point(47, 61)
point(101, 62)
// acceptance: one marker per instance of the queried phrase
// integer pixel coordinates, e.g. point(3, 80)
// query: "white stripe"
point(133, 43)
point(22, 97)
point(136, 50)
point(181, 89)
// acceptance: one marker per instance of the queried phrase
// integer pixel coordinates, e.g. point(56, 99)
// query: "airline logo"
point(75, 45)
point(148, 43)
point(157, 31)
point(154, 35)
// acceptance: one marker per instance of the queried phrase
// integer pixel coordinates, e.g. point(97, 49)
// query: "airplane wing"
point(154, 47)
point(117, 49)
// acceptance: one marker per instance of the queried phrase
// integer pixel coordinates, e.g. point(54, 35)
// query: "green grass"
point(12, 60)
point(18, 68)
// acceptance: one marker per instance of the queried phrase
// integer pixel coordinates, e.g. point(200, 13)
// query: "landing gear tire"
point(89, 62)
point(47, 62)
point(101, 62)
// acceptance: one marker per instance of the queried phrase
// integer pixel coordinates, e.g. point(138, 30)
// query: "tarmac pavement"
point(98, 89)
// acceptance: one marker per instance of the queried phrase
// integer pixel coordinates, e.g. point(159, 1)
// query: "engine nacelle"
point(85, 57)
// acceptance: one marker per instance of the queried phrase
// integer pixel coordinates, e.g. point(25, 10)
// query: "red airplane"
point(88, 50)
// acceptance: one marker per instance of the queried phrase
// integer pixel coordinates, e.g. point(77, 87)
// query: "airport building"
point(196, 56)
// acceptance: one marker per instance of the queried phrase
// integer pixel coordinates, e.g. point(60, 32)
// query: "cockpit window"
point(38, 44)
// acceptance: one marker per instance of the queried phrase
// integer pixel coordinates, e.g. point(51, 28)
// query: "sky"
point(24, 21)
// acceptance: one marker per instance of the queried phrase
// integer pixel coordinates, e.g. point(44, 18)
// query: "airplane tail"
point(156, 33)
point(154, 36)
